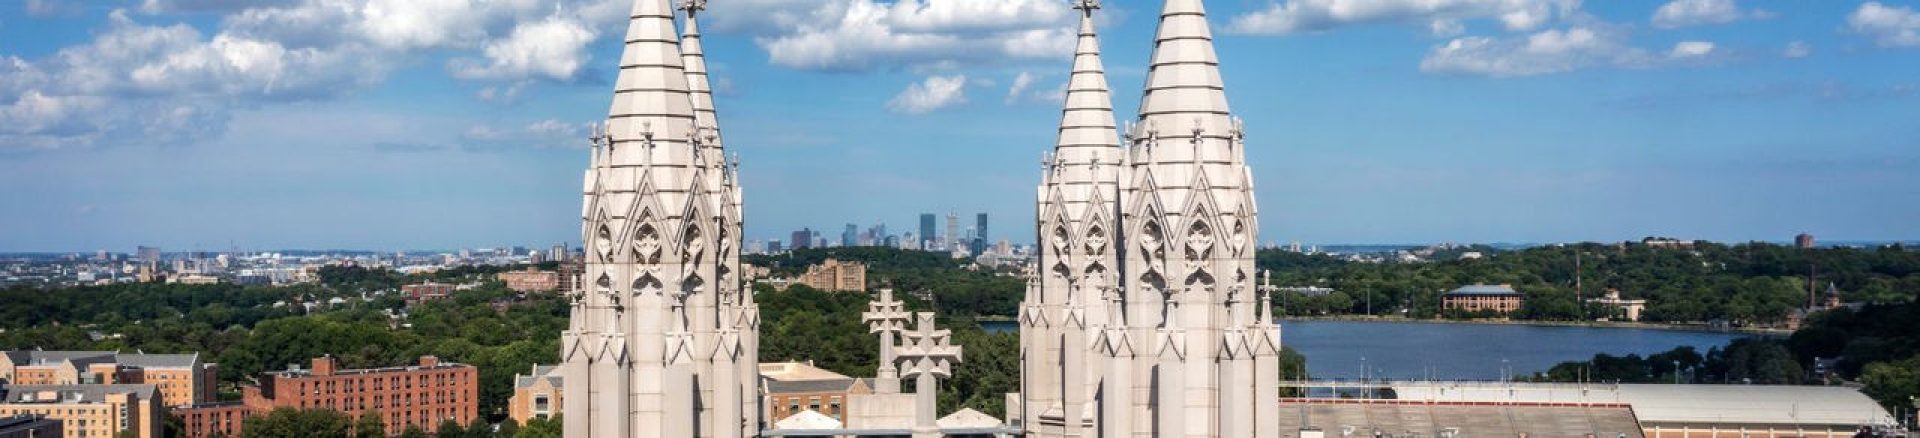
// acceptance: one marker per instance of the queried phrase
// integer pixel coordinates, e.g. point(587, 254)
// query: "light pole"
point(1676, 372)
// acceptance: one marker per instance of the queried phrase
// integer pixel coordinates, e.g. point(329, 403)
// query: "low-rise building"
point(183, 379)
point(422, 396)
point(423, 292)
point(1480, 297)
point(1686, 411)
point(835, 275)
point(536, 395)
point(29, 426)
point(1629, 308)
point(530, 280)
point(795, 387)
point(100, 410)
point(203, 420)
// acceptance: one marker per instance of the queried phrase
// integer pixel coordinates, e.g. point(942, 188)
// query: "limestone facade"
point(1142, 320)
point(662, 338)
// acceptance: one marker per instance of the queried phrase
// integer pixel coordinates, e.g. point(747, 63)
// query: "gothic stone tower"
point(1144, 321)
point(662, 337)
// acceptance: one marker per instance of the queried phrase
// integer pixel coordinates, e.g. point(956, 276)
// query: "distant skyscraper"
point(802, 239)
point(149, 254)
point(949, 242)
point(558, 253)
point(774, 246)
point(980, 233)
point(1803, 241)
point(851, 236)
point(926, 232)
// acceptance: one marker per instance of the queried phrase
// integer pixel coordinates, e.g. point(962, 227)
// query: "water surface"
point(1412, 350)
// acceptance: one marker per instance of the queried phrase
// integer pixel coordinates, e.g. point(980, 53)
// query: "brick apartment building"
point(182, 379)
point(835, 275)
point(429, 291)
point(530, 280)
point(90, 410)
point(1500, 299)
point(422, 395)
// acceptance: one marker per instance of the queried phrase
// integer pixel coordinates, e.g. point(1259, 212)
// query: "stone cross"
point(929, 353)
point(886, 316)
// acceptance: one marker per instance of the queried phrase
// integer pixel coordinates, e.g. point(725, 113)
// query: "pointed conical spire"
point(651, 104)
point(1087, 152)
point(699, 86)
point(1087, 133)
point(1184, 117)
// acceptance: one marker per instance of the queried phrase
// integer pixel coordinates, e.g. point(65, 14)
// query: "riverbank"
point(1585, 324)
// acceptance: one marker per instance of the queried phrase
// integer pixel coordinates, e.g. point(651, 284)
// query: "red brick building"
point(429, 291)
point(1501, 299)
point(531, 280)
point(422, 395)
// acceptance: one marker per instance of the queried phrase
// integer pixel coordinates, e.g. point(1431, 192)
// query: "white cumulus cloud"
point(1019, 87)
point(1890, 26)
point(871, 34)
point(554, 48)
point(1441, 16)
point(934, 93)
point(1690, 49)
point(139, 83)
point(1544, 52)
point(1681, 13)
point(1797, 49)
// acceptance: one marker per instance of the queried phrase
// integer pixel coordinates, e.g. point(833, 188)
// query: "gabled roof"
point(968, 418)
point(548, 373)
point(807, 420)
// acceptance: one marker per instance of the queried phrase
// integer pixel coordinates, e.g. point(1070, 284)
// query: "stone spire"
point(1077, 210)
point(656, 342)
point(699, 86)
point(1146, 315)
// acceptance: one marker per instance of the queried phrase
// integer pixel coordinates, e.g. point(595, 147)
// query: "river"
point(1338, 349)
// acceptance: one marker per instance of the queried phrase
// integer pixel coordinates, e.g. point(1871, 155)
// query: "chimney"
point(325, 365)
point(429, 361)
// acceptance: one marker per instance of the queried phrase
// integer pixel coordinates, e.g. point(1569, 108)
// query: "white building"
point(662, 341)
point(1142, 320)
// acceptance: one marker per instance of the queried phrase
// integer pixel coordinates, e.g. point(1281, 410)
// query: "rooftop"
point(52, 394)
point(796, 371)
point(549, 373)
point(1658, 403)
point(1485, 289)
point(1395, 417)
point(142, 360)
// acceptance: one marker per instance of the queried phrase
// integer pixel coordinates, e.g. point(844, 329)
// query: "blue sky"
point(388, 124)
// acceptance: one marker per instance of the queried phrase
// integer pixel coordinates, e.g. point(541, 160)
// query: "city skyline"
point(1597, 121)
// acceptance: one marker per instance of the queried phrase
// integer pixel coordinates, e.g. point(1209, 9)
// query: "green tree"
point(370, 425)
point(1893, 384)
point(450, 429)
point(296, 423)
point(540, 428)
point(413, 431)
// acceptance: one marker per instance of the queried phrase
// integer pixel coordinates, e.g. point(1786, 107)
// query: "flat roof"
point(1660, 403)
point(1397, 417)
point(1484, 289)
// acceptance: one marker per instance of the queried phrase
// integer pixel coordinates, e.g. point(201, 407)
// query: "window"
point(540, 404)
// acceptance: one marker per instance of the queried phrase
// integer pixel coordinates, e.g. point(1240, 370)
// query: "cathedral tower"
point(662, 334)
point(1154, 330)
